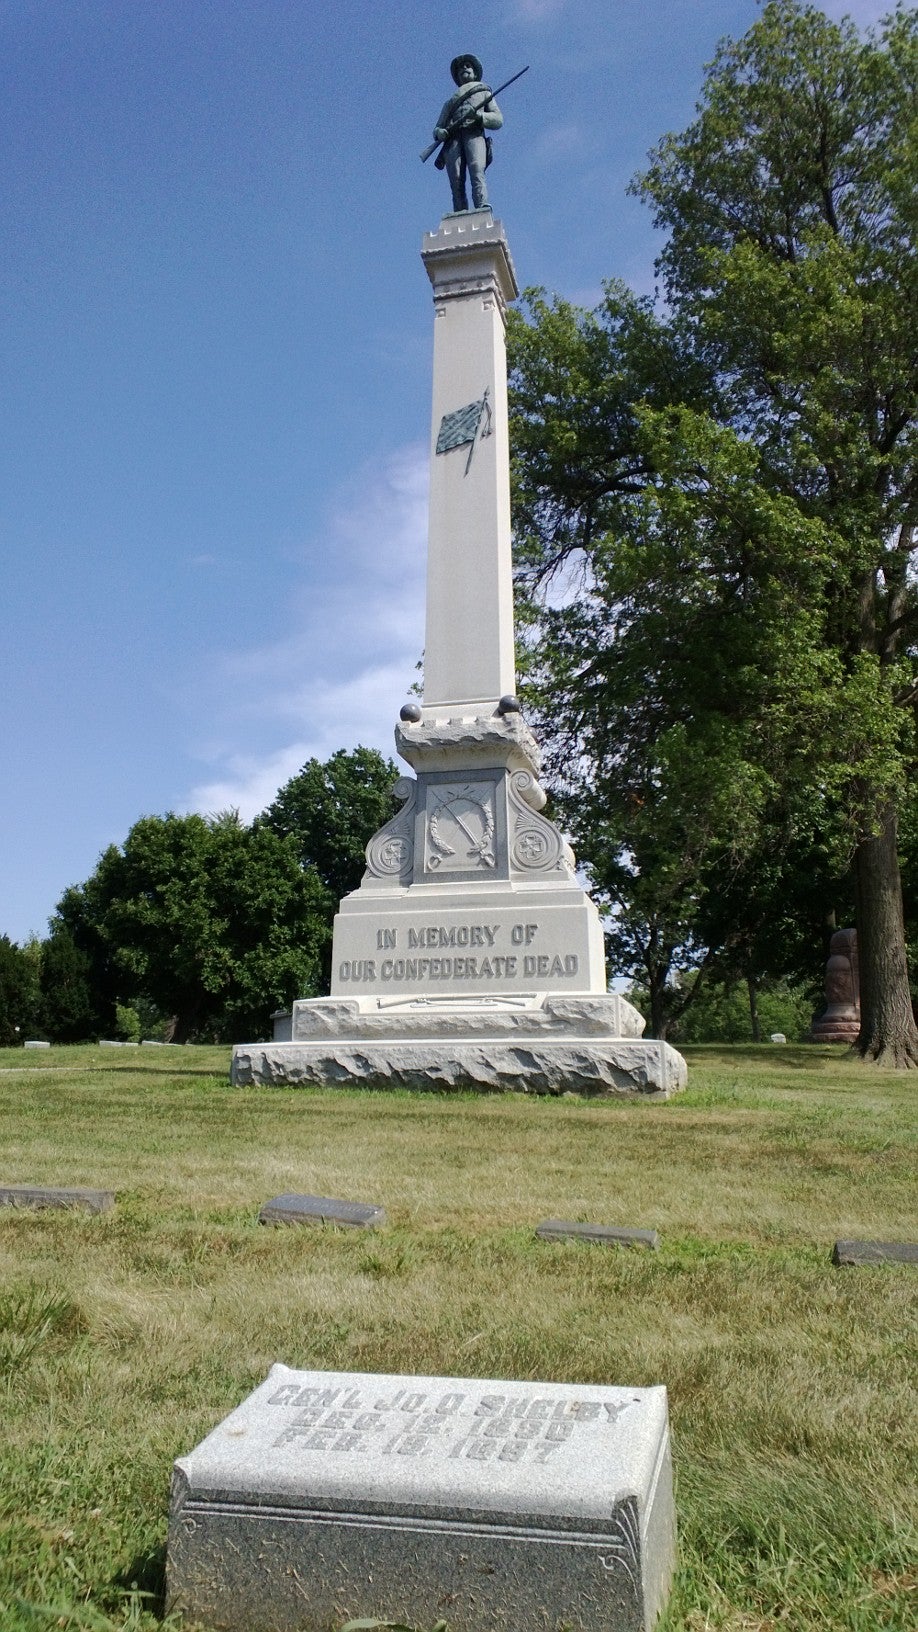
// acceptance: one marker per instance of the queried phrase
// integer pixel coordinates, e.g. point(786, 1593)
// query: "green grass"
point(125, 1337)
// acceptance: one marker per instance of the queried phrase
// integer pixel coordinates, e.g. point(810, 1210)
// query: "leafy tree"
point(734, 1012)
point(208, 920)
point(791, 206)
point(211, 922)
point(331, 812)
point(691, 690)
point(128, 1023)
point(18, 993)
point(72, 1006)
point(739, 483)
point(908, 842)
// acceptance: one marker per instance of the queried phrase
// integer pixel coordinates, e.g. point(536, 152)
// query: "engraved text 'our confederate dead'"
point(492, 966)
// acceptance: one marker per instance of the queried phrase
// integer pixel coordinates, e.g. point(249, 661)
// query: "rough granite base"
point(532, 1043)
point(497, 1506)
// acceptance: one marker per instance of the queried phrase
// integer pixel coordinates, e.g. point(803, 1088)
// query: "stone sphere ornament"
point(509, 705)
point(410, 713)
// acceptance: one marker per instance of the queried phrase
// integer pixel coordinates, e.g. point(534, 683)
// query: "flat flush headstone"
point(45, 1195)
point(294, 1209)
point(493, 1505)
point(875, 1252)
point(607, 1235)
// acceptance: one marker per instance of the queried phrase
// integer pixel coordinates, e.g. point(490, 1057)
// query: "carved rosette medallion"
point(537, 844)
point(460, 827)
point(390, 852)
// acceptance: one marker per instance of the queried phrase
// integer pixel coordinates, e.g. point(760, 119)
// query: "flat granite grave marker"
point(293, 1209)
point(45, 1195)
point(875, 1252)
point(609, 1235)
point(498, 1506)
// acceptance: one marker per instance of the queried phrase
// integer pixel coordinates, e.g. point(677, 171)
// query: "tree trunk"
point(657, 973)
point(888, 1032)
point(753, 991)
point(658, 1015)
point(180, 1026)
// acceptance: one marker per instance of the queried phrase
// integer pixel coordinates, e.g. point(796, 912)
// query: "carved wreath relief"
point(460, 827)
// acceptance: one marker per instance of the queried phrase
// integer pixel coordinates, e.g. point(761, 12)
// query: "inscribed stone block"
point(498, 1506)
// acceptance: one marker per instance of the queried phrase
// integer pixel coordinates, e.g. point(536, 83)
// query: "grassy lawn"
point(124, 1338)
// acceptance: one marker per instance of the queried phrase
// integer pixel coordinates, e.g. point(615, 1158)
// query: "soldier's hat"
point(460, 62)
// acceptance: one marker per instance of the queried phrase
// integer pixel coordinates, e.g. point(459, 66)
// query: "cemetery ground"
point(125, 1337)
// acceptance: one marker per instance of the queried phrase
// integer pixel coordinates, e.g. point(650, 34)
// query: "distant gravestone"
point(495, 1505)
point(34, 1043)
point(282, 1025)
point(609, 1235)
point(875, 1252)
point(294, 1209)
point(40, 1195)
point(778, 1037)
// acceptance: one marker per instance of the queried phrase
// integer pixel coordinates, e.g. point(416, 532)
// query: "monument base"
point(497, 1506)
point(537, 1043)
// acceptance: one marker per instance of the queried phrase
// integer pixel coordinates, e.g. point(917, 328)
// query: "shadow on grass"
point(796, 1056)
point(131, 1068)
point(146, 1575)
point(164, 1070)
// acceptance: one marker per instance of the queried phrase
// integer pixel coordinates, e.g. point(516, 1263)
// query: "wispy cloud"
point(861, 12)
point(341, 716)
point(343, 664)
point(537, 11)
point(560, 141)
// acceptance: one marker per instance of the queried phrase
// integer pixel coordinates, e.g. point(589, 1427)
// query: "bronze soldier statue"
point(461, 127)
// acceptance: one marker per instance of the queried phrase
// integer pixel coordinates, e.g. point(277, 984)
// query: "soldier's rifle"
point(471, 107)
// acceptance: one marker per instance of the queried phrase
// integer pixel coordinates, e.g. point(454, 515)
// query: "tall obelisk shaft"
point(469, 653)
point(470, 954)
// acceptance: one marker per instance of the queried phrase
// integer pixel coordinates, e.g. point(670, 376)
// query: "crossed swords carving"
point(480, 847)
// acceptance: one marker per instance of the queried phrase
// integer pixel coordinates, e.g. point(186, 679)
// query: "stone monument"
point(840, 1021)
point(470, 954)
point(514, 1505)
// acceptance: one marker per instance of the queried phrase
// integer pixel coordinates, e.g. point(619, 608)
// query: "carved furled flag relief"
point(461, 428)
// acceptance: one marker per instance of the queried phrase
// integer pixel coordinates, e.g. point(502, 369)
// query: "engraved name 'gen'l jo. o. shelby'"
point(421, 1423)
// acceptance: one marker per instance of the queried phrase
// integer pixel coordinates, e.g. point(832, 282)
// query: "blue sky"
point(215, 354)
